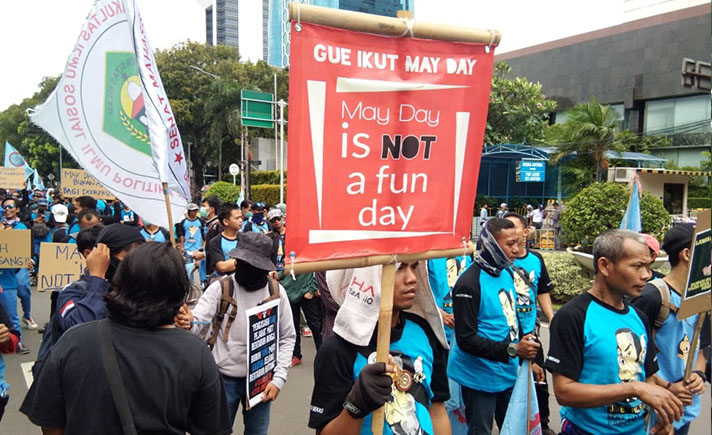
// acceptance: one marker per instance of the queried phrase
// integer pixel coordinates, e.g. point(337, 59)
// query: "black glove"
point(371, 390)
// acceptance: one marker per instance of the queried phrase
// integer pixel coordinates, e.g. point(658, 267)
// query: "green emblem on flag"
point(124, 108)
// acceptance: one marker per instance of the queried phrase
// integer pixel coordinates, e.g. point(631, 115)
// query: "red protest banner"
point(385, 142)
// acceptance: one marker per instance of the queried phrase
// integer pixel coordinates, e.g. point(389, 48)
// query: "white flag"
point(110, 111)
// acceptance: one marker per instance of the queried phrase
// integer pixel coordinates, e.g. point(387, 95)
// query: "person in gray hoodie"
point(250, 288)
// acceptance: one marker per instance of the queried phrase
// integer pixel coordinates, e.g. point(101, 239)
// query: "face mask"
point(257, 217)
point(248, 215)
point(250, 277)
point(203, 212)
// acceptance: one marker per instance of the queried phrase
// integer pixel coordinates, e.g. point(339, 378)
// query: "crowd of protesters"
point(154, 335)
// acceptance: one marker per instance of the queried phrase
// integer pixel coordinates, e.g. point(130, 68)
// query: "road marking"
point(27, 372)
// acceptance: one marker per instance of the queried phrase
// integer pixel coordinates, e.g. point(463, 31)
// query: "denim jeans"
point(256, 420)
point(8, 297)
point(455, 408)
point(482, 407)
point(23, 292)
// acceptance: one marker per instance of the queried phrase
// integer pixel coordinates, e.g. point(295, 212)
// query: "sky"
point(38, 35)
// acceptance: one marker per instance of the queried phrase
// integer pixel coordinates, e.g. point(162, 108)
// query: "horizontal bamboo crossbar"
point(389, 26)
point(355, 263)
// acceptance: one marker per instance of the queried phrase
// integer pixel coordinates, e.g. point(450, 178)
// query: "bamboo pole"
point(383, 344)
point(389, 26)
point(169, 212)
point(374, 260)
point(690, 363)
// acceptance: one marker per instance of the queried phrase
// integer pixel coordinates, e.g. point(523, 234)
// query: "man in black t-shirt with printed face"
point(601, 352)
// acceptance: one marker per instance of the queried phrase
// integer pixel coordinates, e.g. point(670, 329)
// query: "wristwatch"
point(512, 350)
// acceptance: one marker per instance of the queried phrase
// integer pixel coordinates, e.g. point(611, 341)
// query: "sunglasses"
point(273, 220)
point(8, 206)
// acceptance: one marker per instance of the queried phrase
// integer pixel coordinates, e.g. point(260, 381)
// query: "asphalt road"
point(289, 412)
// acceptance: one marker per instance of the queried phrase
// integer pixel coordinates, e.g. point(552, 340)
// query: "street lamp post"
point(216, 77)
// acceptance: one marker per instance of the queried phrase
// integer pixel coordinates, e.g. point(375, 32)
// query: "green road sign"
point(256, 109)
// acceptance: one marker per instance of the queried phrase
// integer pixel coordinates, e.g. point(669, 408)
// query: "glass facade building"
point(278, 38)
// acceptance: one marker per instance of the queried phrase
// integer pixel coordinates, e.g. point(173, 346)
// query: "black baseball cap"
point(678, 238)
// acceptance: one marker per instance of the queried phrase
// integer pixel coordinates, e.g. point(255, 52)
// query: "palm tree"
point(590, 130)
point(222, 113)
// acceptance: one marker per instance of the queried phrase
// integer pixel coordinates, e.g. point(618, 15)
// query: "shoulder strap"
point(273, 290)
point(665, 306)
point(118, 392)
point(226, 300)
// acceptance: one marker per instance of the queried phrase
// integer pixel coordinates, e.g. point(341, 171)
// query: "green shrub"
point(699, 202)
point(266, 177)
point(655, 218)
point(227, 192)
point(259, 177)
point(601, 206)
point(267, 193)
point(569, 277)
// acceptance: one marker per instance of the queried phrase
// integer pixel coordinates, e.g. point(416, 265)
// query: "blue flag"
point(521, 404)
point(14, 159)
point(631, 218)
point(37, 181)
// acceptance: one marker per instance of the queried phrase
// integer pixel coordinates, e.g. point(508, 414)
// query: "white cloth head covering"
point(358, 291)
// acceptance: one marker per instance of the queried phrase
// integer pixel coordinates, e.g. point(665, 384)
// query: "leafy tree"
point(590, 131)
point(518, 112)
point(207, 107)
point(601, 206)
point(638, 143)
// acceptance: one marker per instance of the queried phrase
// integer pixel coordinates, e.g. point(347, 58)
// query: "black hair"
point(225, 211)
point(86, 239)
point(609, 245)
point(516, 216)
point(13, 199)
point(245, 204)
point(86, 202)
point(495, 225)
point(674, 255)
point(213, 201)
point(87, 214)
point(150, 286)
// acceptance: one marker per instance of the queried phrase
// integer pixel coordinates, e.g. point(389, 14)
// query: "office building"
point(654, 71)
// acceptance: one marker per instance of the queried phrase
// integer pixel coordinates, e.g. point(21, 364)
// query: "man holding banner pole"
point(674, 337)
point(601, 352)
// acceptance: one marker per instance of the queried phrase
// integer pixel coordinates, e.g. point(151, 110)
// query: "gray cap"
point(254, 248)
point(193, 206)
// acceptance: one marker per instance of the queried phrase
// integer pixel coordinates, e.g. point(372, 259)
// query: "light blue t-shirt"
point(497, 321)
point(193, 238)
point(597, 344)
